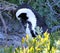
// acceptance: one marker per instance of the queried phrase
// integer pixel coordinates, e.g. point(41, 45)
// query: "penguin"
point(30, 19)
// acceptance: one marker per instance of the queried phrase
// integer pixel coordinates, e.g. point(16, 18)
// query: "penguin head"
point(27, 16)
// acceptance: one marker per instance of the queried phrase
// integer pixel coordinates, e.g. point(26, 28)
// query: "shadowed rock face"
point(15, 30)
point(15, 33)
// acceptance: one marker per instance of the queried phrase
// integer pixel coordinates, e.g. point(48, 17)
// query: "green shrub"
point(41, 44)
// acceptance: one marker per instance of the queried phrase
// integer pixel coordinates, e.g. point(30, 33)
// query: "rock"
point(15, 33)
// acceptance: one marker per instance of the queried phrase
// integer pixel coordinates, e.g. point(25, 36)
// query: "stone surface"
point(15, 33)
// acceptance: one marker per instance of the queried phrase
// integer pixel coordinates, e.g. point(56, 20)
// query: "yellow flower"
point(31, 49)
point(23, 40)
point(38, 43)
point(45, 50)
point(46, 34)
point(18, 51)
point(48, 46)
point(24, 50)
point(27, 49)
point(53, 50)
point(38, 49)
point(27, 36)
point(46, 38)
point(39, 37)
point(34, 40)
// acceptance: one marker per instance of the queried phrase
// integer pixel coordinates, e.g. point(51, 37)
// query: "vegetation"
point(43, 43)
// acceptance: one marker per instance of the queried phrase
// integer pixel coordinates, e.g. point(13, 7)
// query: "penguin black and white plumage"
point(30, 18)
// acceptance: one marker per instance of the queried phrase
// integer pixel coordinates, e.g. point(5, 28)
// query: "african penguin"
point(30, 18)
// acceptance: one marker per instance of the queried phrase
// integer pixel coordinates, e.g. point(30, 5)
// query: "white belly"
point(28, 31)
